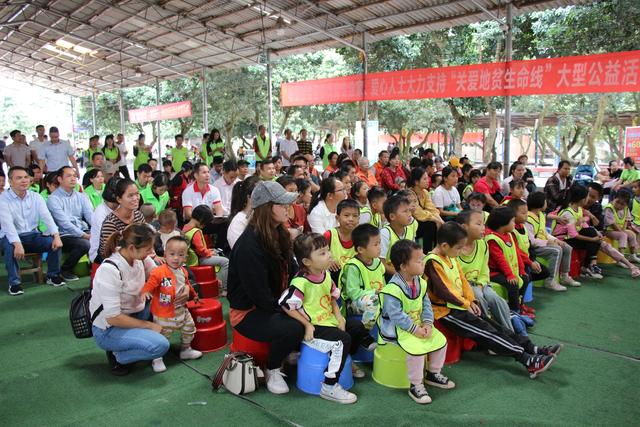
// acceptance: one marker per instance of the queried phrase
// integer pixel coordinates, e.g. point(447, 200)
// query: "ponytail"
point(138, 235)
point(112, 243)
point(327, 186)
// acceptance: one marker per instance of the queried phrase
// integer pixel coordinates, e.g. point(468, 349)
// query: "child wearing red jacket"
point(169, 289)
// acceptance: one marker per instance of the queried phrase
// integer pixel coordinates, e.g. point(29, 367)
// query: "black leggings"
point(513, 291)
point(283, 333)
point(330, 333)
point(427, 232)
point(591, 248)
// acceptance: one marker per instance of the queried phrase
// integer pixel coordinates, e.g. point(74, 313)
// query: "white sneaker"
point(190, 354)
point(622, 264)
point(336, 393)
point(568, 281)
point(634, 258)
point(158, 365)
point(555, 286)
point(275, 381)
point(356, 371)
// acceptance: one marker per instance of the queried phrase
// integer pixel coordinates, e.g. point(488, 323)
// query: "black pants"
point(591, 248)
point(218, 229)
point(513, 291)
point(489, 335)
point(74, 248)
point(427, 232)
point(283, 333)
point(360, 335)
point(330, 333)
point(124, 171)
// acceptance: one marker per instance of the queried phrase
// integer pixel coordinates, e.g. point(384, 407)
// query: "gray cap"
point(271, 191)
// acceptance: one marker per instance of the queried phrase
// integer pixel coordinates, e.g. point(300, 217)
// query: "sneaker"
point(634, 258)
point(635, 272)
point(527, 309)
point(588, 273)
point(596, 269)
point(190, 354)
point(158, 365)
point(16, 290)
point(356, 371)
point(372, 346)
point(69, 277)
point(622, 264)
point(550, 350)
point(568, 281)
point(419, 394)
point(117, 368)
point(275, 381)
point(56, 281)
point(556, 287)
point(439, 380)
point(337, 394)
point(538, 364)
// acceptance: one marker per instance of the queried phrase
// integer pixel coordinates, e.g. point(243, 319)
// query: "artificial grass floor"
point(47, 377)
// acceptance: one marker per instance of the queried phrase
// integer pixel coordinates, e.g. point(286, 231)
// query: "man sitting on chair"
point(21, 212)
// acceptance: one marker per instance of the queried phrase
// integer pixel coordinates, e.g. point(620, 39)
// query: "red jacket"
point(497, 262)
point(162, 285)
point(389, 178)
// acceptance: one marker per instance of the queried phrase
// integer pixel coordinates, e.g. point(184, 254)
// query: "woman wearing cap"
point(260, 267)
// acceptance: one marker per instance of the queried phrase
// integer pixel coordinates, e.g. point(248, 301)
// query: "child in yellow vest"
point(339, 238)
point(516, 191)
point(397, 210)
point(374, 213)
point(312, 300)
point(557, 252)
point(456, 309)
point(406, 320)
point(477, 202)
point(617, 220)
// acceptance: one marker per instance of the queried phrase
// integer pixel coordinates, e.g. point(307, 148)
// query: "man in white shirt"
point(201, 193)
point(122, 163)
point(37, 142)
point(56, 153)
point(288, 146)
point(226, 183)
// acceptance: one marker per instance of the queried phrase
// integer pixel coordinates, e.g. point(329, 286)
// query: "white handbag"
point(238, 373)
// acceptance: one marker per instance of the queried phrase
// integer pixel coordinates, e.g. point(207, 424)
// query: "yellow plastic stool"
point(390, 366)
point(604, 258)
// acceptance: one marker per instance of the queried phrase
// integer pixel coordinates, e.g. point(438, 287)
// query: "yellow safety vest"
point(316, 302)
point(522, 239)
point(192, 257)
point(538, 222)
point(476, 266)
point(371, 277)
point(635, 211)
point(452, 271)
point(620, 221)
point(264, 146)
point(339, 253)
point(510, 254)
point(327, 149)
point(409, 234)
point(576, 215)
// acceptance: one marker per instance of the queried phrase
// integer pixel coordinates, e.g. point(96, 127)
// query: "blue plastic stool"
point(362, 355)
point(311, 366)
point(528, 293)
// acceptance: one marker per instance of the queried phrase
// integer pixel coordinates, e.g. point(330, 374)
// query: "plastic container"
point(311, 366)
point(257, 349)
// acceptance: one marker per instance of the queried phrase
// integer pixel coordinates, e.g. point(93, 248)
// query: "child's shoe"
point(550, 350)
point(356, 371)
point(190, 354)
point(158, 365)
point(419, 394)
point(590, 273)
point(635, 272)
point(554, 286)
point(567, 280)
point(275, 381)
point(117, 368)
point(622, 264)
point(439, 380)
point(596, 269)
point(369, 343)
point(526, 309)
point(337, 394)
point(538, 364)
point(634, 258)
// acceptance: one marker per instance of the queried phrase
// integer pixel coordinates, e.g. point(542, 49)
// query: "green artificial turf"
point(50, 378)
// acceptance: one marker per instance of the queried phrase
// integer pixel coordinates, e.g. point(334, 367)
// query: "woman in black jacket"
point(260, 267)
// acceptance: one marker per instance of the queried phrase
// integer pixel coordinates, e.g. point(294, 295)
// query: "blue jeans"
point(34, 243)
point(130, 345)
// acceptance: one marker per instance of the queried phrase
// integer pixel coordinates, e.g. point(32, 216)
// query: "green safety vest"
point(90, 152)
point(95, 197)
point(452, 271)
point(522, 239)
point(538, 222)
point(510, 254)
point(635, 211)
point(141, 158)
point(476, 266)
point(35, 188)
point(413, 308)
point(620, 221)
point(338, 252)
point(371, 276)
point(327, 149)
point(576, 215)
point(192, 257)
point(264, 146)
point(215, 145)
point(158, 203)
point(142, 188)
point(178, 157)
point(409, 234)
point(316, 302)
point(376, 218)
point(111, 154)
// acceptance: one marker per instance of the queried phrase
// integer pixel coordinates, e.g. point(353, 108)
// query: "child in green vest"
point(617, 218)
point(397, 210)
point(199, 253)
point(635, 207)
point(312, 299)
point(339, 238)
point(95, 188)
point(373, 214)
point(362, 277)
point(474, 261)
point(455, 307)
point(474, 176)
point(477, 202)
point(359, 192)
point(406, 319)
point(516, 191)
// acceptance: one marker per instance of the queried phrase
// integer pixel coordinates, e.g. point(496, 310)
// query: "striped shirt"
point(112, 224)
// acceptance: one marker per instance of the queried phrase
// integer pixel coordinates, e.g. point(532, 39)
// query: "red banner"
point(609, 72)
point(174, 110)
point(632, 143)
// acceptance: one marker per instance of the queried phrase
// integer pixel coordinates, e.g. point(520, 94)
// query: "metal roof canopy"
point(79, 47)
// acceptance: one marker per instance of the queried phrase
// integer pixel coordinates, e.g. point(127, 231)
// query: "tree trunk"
point(595, 129)
point(542, 140)
point(459, 121)
point(613, 144)
point(490, 140)
point(285, 119)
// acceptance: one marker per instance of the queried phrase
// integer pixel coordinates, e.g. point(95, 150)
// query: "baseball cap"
point(270, 191)
point(454, 162)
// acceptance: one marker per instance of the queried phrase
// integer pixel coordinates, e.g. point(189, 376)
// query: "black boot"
point(117, 369)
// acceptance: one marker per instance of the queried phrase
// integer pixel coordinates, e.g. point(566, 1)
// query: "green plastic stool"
point(82, 268)
point(390, 366)
point(501, 291)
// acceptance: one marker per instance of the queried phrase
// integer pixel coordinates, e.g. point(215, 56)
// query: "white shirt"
point(36, 144)
point(321, 219)
point(123, 154)
point(191, 197)
point(444, 198)
point(236, 228)
point(98, 217)
point(288, 146)
point(225, 193)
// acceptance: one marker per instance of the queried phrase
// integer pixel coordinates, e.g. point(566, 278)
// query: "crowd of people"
point(303, 255)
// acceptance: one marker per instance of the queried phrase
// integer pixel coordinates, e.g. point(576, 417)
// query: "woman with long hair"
point(260, 268)
point(213, 148)
point(393, 175)
point(322, 211)
point(111, 155)
point(240, 208)
point(426, 213)
point(346, 147)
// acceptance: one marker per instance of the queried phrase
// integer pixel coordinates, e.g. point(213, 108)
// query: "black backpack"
point(80, 315)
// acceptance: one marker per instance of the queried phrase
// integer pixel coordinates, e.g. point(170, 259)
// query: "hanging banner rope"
point(609, 72)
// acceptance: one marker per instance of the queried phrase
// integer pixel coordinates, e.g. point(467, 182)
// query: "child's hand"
point(196, 299)
point(147, 296)
point(334, 266)
point(155, 327)
point(475, 309)
point(513, 282)
point(427, 329)
point(342, 323)
point(308, 332)
point(535, 266)
point(420, 332)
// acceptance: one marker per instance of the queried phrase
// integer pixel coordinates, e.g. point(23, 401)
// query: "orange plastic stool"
point(206, 277)
point(455, 344)
point(92, 274)
point(257, 349)
point(211, 328)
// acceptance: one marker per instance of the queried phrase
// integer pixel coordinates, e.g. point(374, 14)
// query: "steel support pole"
point(121, 107)
point(73, 120)
point(205, 102)
point(365, 103)
point(269, 97)
point(93, 113)
point(158, 124)
point(507, 100)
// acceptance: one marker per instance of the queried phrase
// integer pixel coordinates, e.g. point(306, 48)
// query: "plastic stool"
point(92, 274)
point(500, 290)
point(390, 366)
point(603, 258)
point(362, 355)
point(210, 289)
point(455, 344)
point(311, 366)
point(211, 328)
point(578, 257)
point(528, 293)
point(258, 349)
point(203, 273)
point(82, 268)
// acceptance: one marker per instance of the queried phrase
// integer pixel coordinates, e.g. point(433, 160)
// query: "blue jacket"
point(71, 211)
